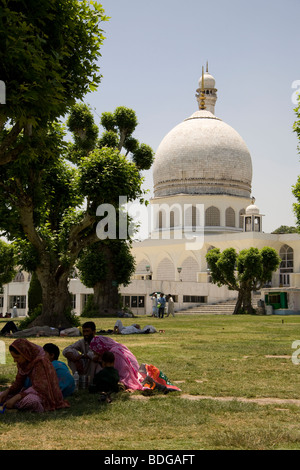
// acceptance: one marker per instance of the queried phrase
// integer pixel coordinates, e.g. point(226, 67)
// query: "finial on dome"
point(202, 95)
point(206, 93)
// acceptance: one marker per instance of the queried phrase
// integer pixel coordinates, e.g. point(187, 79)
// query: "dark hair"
point(13, 349)
point(89, 324)
point(52, 349)
point(108, 356)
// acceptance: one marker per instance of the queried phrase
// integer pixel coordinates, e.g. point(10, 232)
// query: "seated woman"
point(44, 393)
point(125, 362)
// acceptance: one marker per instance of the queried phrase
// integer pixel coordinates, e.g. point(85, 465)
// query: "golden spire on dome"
point(202, 95)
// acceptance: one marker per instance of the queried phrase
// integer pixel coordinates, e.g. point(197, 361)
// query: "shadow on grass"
point(82, 403)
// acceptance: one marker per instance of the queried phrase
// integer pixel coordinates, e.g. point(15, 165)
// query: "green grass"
point(206, 356)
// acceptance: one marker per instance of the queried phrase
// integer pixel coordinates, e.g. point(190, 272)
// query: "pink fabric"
point(125, 362)
point(31, 401)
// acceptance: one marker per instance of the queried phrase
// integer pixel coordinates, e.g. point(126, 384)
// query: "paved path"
point(259, 401)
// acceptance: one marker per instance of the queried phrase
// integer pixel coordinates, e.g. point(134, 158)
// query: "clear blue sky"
point(152, 59)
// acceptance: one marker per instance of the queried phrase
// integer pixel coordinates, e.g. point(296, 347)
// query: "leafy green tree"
point(106, 278)
point(118, 129)
point(104, 266)
point(296, 187)
point(243, 272)
point(48, 207)
point(48, 60)
point(286, 229)
point(35, 294)
point(7, 263)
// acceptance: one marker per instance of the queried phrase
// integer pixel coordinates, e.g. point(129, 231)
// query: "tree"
point(104, 266)
point(48, 60)
point(7, 263)
point(35, 294)
point(296, 187)
point(48, 207)
point(244, 272)
point(286, 229)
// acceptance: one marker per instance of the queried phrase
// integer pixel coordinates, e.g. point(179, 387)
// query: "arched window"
point(19, 277)
point(190, 268)
point(212, 217)
point(241, 221)
point(141, 266)
point(229, 217)
point(194, 218)
point(160, 220)
point(286, 254)
point(172, 219)
point(166, 270)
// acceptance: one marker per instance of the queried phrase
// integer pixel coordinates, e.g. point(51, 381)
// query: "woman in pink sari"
point(44, 393)
point(125, 362)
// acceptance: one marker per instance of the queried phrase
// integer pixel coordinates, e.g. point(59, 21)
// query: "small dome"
point(252, 210)
point(209, 81)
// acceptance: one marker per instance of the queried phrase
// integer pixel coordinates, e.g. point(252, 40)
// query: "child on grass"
point(106, 381)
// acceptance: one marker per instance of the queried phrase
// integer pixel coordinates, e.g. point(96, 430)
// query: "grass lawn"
point(216, 360)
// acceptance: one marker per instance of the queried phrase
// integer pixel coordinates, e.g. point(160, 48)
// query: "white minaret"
point(207, 87)
point(252, 218)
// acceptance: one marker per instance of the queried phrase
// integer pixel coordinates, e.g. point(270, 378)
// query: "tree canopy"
point(48, 60)
point(286, 229)
point(243, 272)
point(7, 263)
point(50, 189)
point(48, 207)
point(296, 187)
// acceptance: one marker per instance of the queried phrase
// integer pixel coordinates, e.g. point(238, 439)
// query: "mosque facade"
point(202, 176)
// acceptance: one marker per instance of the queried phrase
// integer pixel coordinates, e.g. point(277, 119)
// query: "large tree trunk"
point(106, 298)
point(244, 301)
point(106, 293)
point(239, 303)
point(56, 299)
point(247, 302)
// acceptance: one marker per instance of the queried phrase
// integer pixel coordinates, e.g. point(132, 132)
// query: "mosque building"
point(202, 177)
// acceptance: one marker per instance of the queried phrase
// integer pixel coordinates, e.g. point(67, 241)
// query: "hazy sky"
point(152, 60)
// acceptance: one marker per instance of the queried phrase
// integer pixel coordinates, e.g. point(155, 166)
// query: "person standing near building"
point(161, 305)
point(170, 306)
point(154, 305)
point(14, 311)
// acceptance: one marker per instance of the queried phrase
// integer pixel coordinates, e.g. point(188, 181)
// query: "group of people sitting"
point(43, 382)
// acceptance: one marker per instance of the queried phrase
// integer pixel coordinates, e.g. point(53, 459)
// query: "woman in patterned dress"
point(44, 393)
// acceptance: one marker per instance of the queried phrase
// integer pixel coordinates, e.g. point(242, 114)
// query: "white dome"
point(252, 210)
point(202, 155)
point(209, 81)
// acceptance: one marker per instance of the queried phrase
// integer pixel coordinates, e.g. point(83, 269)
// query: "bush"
point(89, 309)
